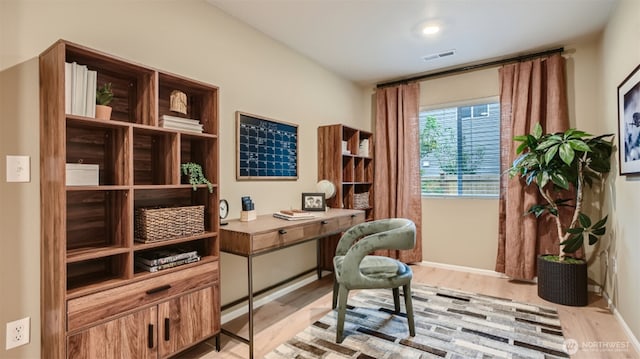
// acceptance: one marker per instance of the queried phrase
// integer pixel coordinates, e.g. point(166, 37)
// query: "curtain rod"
point(471, 67)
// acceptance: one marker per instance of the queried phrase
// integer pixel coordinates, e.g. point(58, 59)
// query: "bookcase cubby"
point(90, 281)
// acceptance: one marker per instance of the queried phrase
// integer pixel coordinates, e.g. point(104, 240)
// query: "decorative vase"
point(563, 283)
point(103, 112)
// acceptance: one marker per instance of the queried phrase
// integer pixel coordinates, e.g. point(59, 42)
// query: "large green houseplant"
point(562, 166)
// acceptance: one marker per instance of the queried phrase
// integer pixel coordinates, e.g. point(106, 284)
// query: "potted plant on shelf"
point(104, 96)
point(562, 165)
point(196, 176)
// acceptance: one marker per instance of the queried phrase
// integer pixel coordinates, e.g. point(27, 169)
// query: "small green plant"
point(104, 94)
point(196, 177)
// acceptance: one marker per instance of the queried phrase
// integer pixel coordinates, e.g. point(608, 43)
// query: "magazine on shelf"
point(182, 120)
point(163, 256)
point(167, 265)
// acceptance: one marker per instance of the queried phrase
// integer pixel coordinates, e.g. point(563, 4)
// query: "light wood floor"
point(281, 319)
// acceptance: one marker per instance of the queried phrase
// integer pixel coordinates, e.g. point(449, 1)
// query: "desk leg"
point(250, 300)
point(318, 258)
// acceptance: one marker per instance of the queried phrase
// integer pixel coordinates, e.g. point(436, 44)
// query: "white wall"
point(191, 38)
point(620, 54)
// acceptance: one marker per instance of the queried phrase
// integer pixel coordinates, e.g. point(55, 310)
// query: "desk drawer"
point(278, 238)
point(91, 308)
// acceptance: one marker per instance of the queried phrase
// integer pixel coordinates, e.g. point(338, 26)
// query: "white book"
point(68, 86)
point(78, 104)
point(90, 107)
point(179, 126)
point(187, 121)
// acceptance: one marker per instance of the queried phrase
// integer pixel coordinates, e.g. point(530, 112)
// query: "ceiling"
point(371, 41)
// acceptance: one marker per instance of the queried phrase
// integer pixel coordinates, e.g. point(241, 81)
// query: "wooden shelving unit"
point(351, 171)
point(87, 237)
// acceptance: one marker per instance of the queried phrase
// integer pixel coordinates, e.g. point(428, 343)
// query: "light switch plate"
point(18, 169)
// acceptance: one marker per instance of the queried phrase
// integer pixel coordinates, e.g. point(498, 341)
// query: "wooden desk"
point(267, 234)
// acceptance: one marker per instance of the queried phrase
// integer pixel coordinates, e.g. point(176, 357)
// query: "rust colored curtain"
point(530, 92)
point(397, 175)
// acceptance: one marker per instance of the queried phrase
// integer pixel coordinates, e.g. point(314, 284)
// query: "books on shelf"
point(181, 124)
point(293, 215)
point(165, 255)
point(168, 265)
point(80, 85)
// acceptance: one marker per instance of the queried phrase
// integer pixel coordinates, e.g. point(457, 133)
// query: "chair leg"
point(343, 293)
point(334, 303)
point(408, 303)
point(396, 299)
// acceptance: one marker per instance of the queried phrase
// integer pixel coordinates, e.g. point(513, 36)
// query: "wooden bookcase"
point(350, 171)
point(92, 292)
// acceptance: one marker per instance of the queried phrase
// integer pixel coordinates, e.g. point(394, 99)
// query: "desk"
point(267, 234)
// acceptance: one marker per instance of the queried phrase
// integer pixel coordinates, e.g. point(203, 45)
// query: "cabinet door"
point(132, 336)
point(188, 319)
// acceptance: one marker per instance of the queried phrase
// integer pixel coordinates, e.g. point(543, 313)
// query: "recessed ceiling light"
point(430, 29)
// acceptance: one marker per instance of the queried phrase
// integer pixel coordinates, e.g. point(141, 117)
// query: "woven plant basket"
point(562, 283)
point(361, 200)
point(158, 224)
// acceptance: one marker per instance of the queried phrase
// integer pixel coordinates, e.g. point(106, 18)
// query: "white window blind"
point(460, 150)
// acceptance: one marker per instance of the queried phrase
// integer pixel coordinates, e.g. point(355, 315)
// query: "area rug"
point(449, 324)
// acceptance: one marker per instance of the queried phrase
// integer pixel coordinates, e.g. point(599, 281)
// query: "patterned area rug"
point(449, 324)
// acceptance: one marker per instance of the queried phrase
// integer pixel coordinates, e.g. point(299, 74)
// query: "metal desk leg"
point(250, 284)
point(318, 258)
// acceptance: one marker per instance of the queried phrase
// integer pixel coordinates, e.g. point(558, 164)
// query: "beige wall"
point(190, 38)
point(620, 54)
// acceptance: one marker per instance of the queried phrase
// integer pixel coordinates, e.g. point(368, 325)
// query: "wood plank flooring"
point(281, 319)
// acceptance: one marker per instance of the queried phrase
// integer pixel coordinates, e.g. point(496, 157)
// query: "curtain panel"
point(530, 92)
point(397, 151)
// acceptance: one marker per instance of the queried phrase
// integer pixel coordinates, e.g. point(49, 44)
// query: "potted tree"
point(562, 165)
point(104, 96)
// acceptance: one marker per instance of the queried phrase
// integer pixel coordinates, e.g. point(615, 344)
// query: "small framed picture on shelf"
point(629, 123)
point(313, 202)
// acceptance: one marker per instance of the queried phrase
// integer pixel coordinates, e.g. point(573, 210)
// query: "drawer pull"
point(282, 231)
point(353, 216)
point(324, 222)
point(150, 336)
point(167, 322)
point(159, 289)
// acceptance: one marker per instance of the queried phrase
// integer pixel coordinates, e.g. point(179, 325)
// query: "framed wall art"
point(629, 123)
point(266, 149)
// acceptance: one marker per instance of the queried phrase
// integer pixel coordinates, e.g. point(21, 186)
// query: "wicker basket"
point(361, 200)
point(157, 224)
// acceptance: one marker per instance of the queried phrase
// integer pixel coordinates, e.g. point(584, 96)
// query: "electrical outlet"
point(18, 333)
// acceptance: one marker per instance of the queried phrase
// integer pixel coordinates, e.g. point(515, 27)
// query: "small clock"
point(224, 211)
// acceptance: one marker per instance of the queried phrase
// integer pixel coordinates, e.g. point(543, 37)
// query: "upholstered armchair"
point(356, 268)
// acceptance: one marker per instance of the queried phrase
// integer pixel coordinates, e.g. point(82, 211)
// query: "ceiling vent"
point(439, 55)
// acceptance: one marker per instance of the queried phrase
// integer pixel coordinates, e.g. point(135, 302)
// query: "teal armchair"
point(355, 268)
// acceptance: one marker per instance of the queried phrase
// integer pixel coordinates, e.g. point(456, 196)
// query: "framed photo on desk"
point(313, 202)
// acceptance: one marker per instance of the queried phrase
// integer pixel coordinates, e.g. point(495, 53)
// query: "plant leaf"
point(537, 130)
point(592, 239)
point(600, 223)
point(550, 153)
point(560, 180)
point(575, 230)
point(566, 153)
point(573, 244)
point(585, 221)
point(599, 231)
point(579, 145)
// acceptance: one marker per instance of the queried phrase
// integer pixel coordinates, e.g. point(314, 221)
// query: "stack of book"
point(156, 260)
point(181, 124)
point(80, 85)
point(293, 214)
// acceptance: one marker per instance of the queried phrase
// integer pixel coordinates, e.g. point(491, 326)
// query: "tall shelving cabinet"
point(345, 157)
point(95, 301)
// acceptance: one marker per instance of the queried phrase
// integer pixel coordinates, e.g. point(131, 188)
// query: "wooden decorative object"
point(178, 102)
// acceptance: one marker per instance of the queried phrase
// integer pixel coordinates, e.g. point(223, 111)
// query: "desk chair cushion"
point(375, 266)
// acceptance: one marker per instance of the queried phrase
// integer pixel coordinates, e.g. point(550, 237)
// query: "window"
point(460, 150)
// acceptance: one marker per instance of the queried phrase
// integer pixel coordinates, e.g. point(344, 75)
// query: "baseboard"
point(634, 341)
point(464, 269)
point(243, 309)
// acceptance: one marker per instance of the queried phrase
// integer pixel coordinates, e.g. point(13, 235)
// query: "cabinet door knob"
point(159, 289)
point(150, 336)
point(324, 222)
point(167, 322)
point(353, 216)
point(282, 231)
